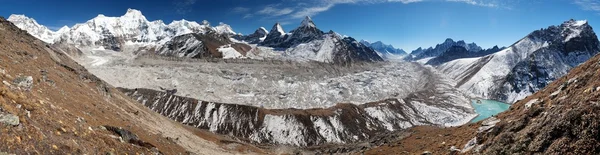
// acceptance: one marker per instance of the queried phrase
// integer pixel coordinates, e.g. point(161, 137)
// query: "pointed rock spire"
point(277, 29)
point(307, 22)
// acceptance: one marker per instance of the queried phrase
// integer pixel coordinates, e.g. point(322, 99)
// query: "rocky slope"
point(203, 45)
point(51, 105)
point(528, 65)
point(562, 118)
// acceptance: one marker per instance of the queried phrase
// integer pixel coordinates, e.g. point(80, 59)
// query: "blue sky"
point(406, 24)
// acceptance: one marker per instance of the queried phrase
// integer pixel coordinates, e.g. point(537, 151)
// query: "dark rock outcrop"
point(200, 45)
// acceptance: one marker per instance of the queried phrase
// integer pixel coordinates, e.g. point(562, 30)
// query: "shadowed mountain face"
point(197, 45)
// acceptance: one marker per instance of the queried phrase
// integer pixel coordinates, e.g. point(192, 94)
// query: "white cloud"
point(590, 5)
point(240, 9)
point(311, 11)
point(313, 7)
point(273, 11)
point(485, 3)
point(248, 16)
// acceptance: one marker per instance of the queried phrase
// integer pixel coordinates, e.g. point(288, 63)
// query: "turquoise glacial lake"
point(488, 108)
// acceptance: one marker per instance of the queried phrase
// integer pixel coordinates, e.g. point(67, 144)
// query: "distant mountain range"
point(439, 49)
point(307, 42)
point(199, 40)
point(384, 50)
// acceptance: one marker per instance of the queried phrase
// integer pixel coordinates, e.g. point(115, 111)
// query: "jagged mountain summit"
point(39, 31)
point(439, 49)
point(459, 52)
point(275, 36)
point(257, 37)
point(384, 50)
point(528, 65)
point(131, 28)
point(309, 43)
point(306, 32)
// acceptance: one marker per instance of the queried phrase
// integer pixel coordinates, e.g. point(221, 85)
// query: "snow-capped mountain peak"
point(112, 32)
point(133, 13)
point(22, 18)
point(263, 29)
point(575, 23)
point(277, 28)
point(63, 29)
point(32, 27)
point(573, 28)
point(224, 29)
point(307, 22)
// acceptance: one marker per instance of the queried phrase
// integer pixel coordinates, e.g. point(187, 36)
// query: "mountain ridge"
point(384, 50)
point(548, 53)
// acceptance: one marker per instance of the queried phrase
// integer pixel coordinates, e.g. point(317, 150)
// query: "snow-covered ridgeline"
point(131, 27)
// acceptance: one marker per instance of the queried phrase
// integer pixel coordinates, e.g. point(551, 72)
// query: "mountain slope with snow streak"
point(528, 65)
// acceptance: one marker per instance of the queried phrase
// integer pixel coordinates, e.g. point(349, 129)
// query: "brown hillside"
point(69, 111)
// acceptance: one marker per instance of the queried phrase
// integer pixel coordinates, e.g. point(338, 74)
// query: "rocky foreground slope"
point(51, 105)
